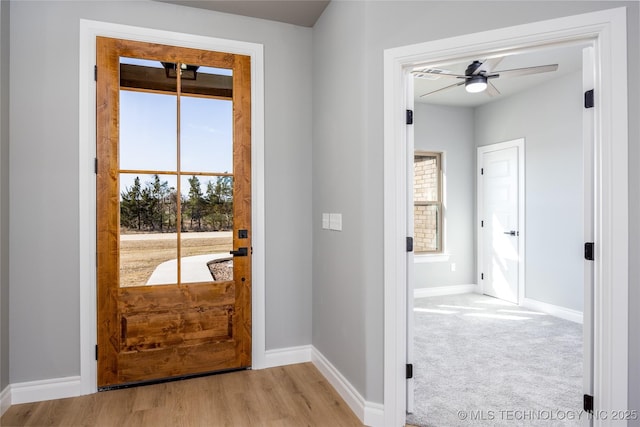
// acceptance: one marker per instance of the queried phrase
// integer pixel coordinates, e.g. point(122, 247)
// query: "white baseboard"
point(444, 290)
point(287, 356)
point(369, 413)
point(37, 391)
point(554, 310)
point(5, 400)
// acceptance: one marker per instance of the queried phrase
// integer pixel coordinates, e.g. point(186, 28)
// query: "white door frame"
point(519, 144)
point(607, 32)
point(89, 30)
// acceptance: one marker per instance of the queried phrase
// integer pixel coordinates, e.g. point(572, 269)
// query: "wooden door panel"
point(159, 328)
point(161, 331)
point(176, 362)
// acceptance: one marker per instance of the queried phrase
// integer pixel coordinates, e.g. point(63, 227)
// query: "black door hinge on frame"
point(96, 351)
point(409, 244)
point(409, 370)
point(587, 403)
point(588, 251)
point(588, 99)
point(95, 73)
point(409, 117)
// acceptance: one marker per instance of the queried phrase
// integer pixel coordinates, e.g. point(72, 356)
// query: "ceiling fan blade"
point(417, 73)
point(517, 72)
point(442, 89)
point(491, 90)
point(488, 65)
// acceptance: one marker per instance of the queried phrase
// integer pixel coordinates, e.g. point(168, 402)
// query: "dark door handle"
point(510, 233)
point(239, 252)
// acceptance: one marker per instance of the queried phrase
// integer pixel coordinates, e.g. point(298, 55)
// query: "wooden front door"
point(173, 212)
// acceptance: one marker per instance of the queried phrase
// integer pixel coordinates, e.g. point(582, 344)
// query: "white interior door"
point(500, 226)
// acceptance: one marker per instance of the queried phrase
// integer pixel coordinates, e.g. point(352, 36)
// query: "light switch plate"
point(325, 221)
point(335, 221)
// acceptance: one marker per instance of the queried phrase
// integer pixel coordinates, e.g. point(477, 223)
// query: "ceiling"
point(298, 12)
point(568, 58)
point(306, 13)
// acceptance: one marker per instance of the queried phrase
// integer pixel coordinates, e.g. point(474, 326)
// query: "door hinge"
point(587, 403)
point(409, 370)
point(588, 99)
point(409, 244)
point(95, 165)
point(481, 171)
point(588, 251)
point(96, 351)
point(409, 117)
point(95, 73)
point(481, 223)
point(481, 276)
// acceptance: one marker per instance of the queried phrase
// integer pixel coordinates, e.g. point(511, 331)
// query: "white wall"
point(365, 30)
point(4, 195)
point(450, 130)
point(340, 280)
point(44, 205)
point(549, 118)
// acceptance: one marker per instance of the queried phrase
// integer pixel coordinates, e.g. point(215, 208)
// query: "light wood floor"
point(294, 395)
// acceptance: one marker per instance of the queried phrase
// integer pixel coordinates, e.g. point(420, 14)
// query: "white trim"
point(287, 356)
point(373, 414)
point(520, 145)
point(607, 31)
point(37, 391)
point(5, 400)
point(554, 310)
point(87, 193)
point(444, 290)
point(370, 414)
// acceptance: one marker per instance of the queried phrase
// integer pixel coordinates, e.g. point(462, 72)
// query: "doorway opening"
point(607, 31)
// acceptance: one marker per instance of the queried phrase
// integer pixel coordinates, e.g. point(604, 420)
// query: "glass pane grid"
point(427, 203)
point(176, 187)
point(426, 178)
point(426, 225)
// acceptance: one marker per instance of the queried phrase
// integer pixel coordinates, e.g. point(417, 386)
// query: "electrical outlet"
point(453, 266)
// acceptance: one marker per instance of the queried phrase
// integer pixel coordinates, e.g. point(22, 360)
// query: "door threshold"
point(170, 379)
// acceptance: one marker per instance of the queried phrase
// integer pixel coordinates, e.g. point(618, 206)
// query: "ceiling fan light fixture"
point(476, 84)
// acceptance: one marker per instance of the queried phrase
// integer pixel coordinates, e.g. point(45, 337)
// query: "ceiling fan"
point(478, 74)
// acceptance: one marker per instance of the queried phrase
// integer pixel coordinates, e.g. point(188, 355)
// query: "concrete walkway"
point(194, 270)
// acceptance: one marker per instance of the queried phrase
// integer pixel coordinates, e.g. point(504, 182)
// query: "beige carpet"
point(483, 361)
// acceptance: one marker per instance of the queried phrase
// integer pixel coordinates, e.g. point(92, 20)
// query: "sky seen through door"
point(148, 132)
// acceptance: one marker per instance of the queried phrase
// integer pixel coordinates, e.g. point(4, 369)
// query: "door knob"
point(510, 233)
point(239, 252)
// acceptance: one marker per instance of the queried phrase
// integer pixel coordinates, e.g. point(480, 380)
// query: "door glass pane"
point(148, 238)
point(207, 227)
point(206, 131)
point(148, 120)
